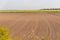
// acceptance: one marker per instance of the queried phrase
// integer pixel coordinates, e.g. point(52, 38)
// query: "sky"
point(28, 4)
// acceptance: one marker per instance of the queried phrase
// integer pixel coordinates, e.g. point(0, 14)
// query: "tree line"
point(50, 9)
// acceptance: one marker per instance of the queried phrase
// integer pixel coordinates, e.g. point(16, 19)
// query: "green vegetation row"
point(19, 11)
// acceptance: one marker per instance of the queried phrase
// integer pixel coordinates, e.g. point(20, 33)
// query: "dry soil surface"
point(31, 26)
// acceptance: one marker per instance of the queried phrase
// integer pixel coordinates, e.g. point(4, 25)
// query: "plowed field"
point(27, 25)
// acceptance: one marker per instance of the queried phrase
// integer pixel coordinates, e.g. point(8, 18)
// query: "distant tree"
point(50, 9)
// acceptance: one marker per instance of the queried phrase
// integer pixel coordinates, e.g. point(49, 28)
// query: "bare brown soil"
point(23, 25)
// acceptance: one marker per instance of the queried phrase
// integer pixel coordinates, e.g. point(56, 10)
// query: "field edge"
point(29, 10)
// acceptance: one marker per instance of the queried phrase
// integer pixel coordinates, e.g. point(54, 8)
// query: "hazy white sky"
point(29, 4)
